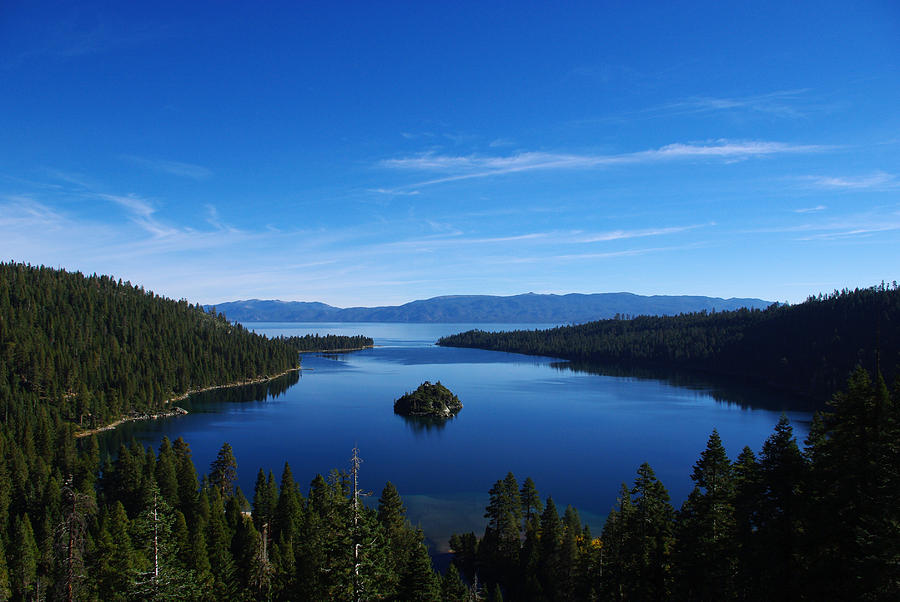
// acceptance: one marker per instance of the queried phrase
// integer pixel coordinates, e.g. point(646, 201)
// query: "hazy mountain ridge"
point(526, 308)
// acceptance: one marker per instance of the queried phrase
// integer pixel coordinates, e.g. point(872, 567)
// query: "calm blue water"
point(577, 433)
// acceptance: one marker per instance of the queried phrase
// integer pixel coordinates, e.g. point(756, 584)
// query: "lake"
point(578, 431)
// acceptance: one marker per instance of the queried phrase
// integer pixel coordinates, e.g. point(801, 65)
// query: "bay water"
point(577, 430)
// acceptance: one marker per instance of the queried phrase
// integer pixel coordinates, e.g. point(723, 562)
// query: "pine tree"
point(783, 472)
point(614, 571)
point(531, 500)
point(747, 501)
point(649, 537)
point(854, 485)
point(452, 587)
point(223, 470)
point(706, 549)
point(418, 581)
point(24, 558)
point(5, 591)
point(550, 564)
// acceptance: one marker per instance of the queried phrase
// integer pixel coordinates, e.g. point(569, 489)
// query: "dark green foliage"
point(452, 587)
point(431, 400)
point(91, 349)
point(328, 343)
point(418, 581)
point(223, 470)
point(706, 553)
point(434, 400)
point(808, 348)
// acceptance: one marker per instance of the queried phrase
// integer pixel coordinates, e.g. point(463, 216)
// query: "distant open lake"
point(578, 431)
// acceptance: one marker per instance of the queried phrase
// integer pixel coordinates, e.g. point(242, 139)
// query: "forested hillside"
point(76, 349)
point(89, 349)
point(809, 348)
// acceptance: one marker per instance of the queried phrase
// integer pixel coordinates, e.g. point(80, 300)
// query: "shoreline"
point(177, 411)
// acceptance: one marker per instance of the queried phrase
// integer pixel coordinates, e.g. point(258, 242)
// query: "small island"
point(431, 400)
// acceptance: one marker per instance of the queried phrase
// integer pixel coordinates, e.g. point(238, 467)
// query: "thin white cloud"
point(853, 232)
point(641, 233)
point(781, 103)
point(461, 167)
point(395, 192)
point(877, 180)
point(142, 213)
point(815, 209)
point(18, 211)
point(175, 168)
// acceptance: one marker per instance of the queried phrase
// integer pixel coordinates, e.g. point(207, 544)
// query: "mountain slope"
point(809, 348)
point(527, 308)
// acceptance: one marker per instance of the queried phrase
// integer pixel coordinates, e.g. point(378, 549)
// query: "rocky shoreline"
point(178, 411)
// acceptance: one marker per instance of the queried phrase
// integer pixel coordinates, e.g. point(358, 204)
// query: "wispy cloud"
point(876, 180)
point(461, 167)
point(815, 209)
point(641, 233)
point(853, 232)
point(857, 225)
point(395, 192)
point(175, 168)
point(17, 211)
point(141, 213)
point(781, 103)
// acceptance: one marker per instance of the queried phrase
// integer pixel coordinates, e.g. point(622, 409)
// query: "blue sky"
point(374, 153)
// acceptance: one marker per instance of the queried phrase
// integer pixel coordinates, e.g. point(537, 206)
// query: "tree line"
point(817, 523)
point(809, 348)
point(328, 342)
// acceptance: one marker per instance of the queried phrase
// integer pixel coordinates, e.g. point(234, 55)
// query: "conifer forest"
point(794, 520)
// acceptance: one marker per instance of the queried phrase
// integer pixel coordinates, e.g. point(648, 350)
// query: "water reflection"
point(729, 391)
point(270, 389)
point(423, 425)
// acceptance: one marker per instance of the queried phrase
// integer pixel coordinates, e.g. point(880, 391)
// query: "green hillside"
point(810, 348)
point(89, 349)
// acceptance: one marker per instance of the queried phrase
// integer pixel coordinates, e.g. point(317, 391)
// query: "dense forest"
point(329, 342)
point(789, 523)
point(809, 348)
point(89, 349)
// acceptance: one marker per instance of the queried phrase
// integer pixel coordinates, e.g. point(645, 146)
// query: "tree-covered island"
point(433, 400)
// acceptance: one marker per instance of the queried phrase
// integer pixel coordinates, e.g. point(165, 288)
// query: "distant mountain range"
point(574, 308)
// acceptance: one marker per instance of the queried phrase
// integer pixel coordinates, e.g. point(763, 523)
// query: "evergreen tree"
point(223, 470)
point(418, 581)
point(24, 559)
point(747, 496)
point(614, 570)
point(5, 591)
point(649, 538)
point(550, 564)
point(783, 471)
point(854, 488)
point(706, 549)
point(452, 587)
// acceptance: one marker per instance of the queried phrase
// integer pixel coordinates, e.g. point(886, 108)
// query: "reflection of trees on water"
point(426, 424)
point(253, 392)
point(124, 434)
point(735, 392)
